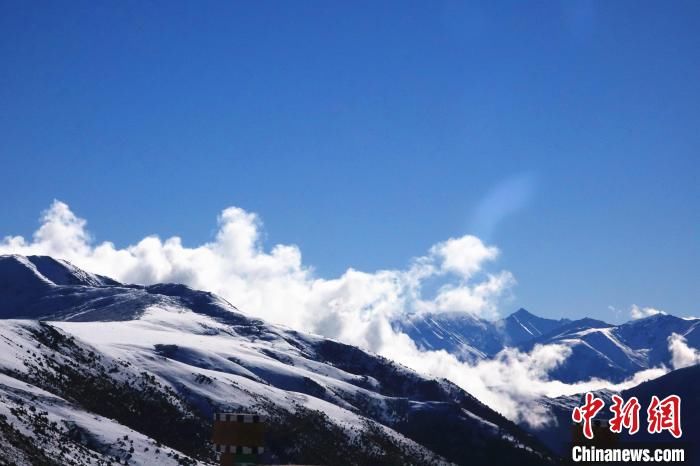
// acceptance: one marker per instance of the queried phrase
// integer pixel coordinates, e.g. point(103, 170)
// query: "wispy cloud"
point(503, 200)
point(637, 312)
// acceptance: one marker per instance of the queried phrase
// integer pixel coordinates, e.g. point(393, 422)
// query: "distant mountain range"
point(93, 371)
point(472, 338)
point(598, 349)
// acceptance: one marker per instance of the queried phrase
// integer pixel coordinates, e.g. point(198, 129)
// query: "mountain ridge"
point(597, 348)
point(120, 352)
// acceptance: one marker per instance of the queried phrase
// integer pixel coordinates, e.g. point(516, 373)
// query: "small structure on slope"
point(238, 438)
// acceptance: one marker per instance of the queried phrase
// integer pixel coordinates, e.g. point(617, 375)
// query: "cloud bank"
point(681, 354)
point(357, 307)
point(275, 284)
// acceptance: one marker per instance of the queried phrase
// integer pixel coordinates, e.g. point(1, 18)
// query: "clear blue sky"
point(364, 132)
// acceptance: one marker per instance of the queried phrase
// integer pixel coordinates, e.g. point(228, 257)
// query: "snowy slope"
point(523, 326)
point(67, 434)
point(471, 338)
point(616, 352)
point(598, 349)
point(136, 373)
point(467, 337)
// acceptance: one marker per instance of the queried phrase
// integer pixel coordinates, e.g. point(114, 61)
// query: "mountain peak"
point(43, 271)
point(523, 313)
point(17, 270)
point(522, 325)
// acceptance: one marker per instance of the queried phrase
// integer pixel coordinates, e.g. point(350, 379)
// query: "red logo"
point(661, 415)
point(665, 415)
point(625, 415)
point(587, 412)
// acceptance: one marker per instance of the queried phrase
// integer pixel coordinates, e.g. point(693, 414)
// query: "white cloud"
point(463, 256)
point(681, 354)
point(637, 312)
point(480, 299)
point(275, 285)
point(357, 307)
point(513, 382)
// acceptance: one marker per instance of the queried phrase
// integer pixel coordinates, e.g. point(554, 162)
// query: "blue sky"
point(565, 133)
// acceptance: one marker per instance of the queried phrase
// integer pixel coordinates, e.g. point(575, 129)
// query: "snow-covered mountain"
point(467, 337)
point(471, 338)
point(522, 326)
point(616, 352)
point(598, 349)
point(93, 371)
